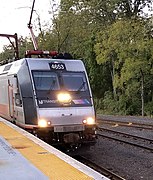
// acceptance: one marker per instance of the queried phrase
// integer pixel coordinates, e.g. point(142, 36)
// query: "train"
point(49, 97)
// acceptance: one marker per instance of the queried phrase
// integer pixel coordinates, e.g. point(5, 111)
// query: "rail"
point(125, 141)
point(106, 172)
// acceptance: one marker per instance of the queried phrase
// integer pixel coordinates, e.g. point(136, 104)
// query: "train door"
point(12, 88)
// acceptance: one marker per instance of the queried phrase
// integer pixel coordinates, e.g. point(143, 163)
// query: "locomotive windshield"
point(46, 81)
point(49, 83)
point(74, 81)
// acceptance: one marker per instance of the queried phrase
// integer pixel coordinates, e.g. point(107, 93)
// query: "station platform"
point(26, 157)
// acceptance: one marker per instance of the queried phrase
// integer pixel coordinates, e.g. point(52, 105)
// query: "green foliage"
point(7, 54)
point(99, 75)
point(149, 109)
point(127, 46)
point(8, 51)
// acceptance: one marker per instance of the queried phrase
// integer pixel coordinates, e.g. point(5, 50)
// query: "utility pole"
point(142, 92)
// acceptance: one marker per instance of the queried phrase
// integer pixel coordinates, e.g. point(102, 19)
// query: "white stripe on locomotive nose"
point(14, 166)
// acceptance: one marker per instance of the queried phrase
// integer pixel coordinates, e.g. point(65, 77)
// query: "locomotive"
point(49, 97)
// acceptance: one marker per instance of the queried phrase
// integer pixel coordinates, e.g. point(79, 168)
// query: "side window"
point(18, 101)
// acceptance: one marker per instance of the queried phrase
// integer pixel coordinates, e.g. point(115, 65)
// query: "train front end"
point(64, 103)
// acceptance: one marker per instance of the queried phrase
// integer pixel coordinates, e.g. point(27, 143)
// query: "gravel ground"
point(134, 131)
point(130, 162)
point(136, 119)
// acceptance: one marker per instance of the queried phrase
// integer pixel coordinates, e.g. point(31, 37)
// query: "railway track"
point(106, 172)
point(135, 138)
point(127, 124)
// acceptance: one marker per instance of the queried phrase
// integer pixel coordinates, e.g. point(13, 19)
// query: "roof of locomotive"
point(40, 64)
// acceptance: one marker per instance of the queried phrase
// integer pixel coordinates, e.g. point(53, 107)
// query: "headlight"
point(89, 121)
point(64, 97)
point(42, 123)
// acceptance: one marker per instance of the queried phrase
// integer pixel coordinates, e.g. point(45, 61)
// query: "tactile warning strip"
point(52, 166)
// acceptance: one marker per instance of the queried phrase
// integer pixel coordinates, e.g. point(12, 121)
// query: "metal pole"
point(35, 44)
point(16, 43)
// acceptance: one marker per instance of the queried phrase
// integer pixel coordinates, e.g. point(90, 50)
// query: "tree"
point(127, 46)
point(8, 50)
point(132, 9)
point(99, 75)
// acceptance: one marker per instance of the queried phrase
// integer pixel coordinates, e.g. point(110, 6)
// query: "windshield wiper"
point(51, 86)
point(82, 85)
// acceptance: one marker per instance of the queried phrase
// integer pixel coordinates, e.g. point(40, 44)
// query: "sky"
point(15, 15)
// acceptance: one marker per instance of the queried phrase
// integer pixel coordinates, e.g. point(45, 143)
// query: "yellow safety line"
point(52, 166)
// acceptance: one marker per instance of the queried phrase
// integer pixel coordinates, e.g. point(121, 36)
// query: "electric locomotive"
point(50, 98)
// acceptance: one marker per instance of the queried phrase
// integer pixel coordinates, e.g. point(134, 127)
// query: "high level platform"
point(25, 157)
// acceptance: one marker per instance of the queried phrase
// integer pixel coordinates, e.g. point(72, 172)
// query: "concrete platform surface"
point(26, 157)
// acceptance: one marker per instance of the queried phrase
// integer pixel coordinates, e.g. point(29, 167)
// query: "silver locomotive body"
point(49, 97)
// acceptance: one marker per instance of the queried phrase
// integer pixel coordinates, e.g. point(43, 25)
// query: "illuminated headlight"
point(42, 123)
point(89, 121)
point(64, 97)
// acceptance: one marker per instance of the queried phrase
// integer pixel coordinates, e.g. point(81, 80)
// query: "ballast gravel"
point(132, 163)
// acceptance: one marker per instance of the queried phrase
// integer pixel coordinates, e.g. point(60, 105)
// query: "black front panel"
point(48, 84)
point(49, 99)
point(28, 101)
